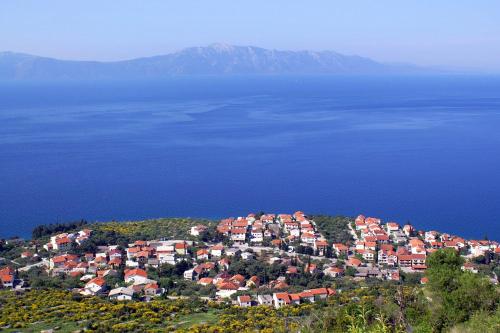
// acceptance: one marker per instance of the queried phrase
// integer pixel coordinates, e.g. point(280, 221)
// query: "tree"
point(457, 294)
point(443, 268)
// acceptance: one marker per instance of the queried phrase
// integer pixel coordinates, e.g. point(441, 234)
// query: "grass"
point(186, 321)
point(63, 327)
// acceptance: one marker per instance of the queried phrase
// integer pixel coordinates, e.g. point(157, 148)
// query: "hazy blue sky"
point(427, 32)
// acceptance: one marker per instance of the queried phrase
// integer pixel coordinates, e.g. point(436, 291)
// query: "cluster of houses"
point(254, 230)
point(93, 268)
point(284, 298)
point(390, 245)
point(63, 242)
point(137, 284)
point(378, 250)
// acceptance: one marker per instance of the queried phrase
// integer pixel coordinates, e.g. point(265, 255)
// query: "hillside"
point(216, 59)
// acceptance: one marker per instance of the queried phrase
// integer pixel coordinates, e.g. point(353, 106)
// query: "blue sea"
point(423, 149)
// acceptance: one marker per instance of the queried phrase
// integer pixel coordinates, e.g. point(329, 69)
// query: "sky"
point(452, 33)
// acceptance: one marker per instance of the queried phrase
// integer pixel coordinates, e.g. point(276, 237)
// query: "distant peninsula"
point(215, 59)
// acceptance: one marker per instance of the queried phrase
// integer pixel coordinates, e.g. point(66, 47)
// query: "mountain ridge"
point(215, 59)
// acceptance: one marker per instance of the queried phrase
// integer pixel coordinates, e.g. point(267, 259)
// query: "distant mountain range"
point(216, 59)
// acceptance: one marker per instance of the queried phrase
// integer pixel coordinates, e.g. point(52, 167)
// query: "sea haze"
point(424, 149)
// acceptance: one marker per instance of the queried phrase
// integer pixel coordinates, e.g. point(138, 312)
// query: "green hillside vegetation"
point(452, 301)
point(171, 228)
point(334, 228)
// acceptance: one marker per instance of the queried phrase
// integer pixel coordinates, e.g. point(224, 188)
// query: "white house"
point(280, 299)
point(265, 299)
point(95, 286)
point(238, 235)
point(121, 294)
point(136, 276)
point(244, 301)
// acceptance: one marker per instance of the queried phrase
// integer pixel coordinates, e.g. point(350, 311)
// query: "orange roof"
point(115, 261)
point(7, 278)
point(7, 271)
point(240, 223)
point(201, 252)
point(98, 281)
point(238, 277)
point(153, 285)
point(227, 286)
point(283, 296)
point(135, 272)
point(306, 294)
point(254, 279)
point(205, 280)
point(180, 246)
point(354, 262)
point(244, 298)
point(322, 291)
point(63, 240)
point(133, 249)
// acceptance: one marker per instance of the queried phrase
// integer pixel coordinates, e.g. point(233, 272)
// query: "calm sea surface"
point(420, 149)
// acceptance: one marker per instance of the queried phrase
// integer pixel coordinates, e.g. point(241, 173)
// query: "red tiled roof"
point(244, 298)
point(283, 296)
point(7, 278)
point(98, 281)
point(135, 272)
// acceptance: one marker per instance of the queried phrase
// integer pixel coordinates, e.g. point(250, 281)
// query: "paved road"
point(28, 267)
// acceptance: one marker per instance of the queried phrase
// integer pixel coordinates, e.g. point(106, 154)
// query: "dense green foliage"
point(169, 228)
point(49, 229)
point(334, 228)
point(457, 295)
point(9, 250)
point(127, 231)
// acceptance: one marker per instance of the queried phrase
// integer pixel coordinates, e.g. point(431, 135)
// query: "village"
point(292, 242)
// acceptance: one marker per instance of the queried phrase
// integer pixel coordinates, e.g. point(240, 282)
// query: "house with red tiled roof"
point(334, 271)
point(253, 282)
point(239, 224)
point(152, 289)
point(181, 248)
point(238, 279)
point(202, 254)
point(320, 245)
point(136, 276)
point(354, 262)
point(132, 252)
point(197, 230)
point(217, 250)
point(281, 299)
point(226, 289)
point(205, 281)
point(95, 286)
point(387, 257)
point(238, 234)
point(340, 248)
point(7, 277)
point(244, 301)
